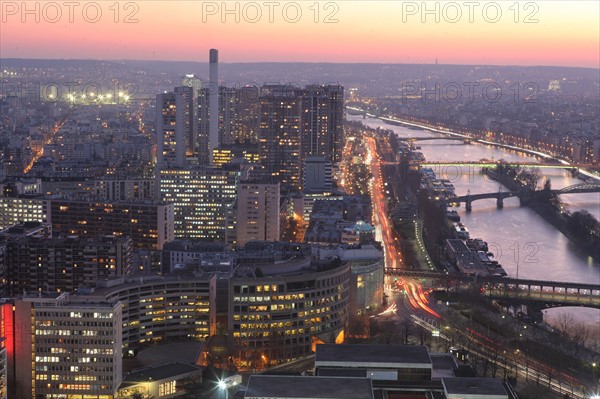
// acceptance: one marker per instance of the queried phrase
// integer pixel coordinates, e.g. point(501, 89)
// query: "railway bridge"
point(526, 291)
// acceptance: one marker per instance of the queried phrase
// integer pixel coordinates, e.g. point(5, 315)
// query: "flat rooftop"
point(443, 365)
point(274, 387)
point(483, 387)
point(385, 354)
point(160, 372)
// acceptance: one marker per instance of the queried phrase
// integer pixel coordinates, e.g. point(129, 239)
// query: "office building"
point(200, 196)
point(65, 348)
point(194, 83)
point(257, 212)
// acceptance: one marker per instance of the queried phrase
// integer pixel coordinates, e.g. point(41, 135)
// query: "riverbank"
point(559, 220)
point(435, 129)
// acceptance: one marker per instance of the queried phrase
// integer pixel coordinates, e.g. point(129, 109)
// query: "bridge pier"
point(500, 203)
point(535, 311)
point(468, 206)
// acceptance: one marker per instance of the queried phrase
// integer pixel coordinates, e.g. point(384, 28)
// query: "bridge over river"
point(550, 293)
point(500, 196)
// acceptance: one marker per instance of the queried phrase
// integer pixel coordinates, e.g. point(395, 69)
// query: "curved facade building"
point(367, 263)
point(160, 309)
point(366, 291)
point(279, 311)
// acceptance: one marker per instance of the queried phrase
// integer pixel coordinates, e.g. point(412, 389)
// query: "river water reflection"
point(524, 243)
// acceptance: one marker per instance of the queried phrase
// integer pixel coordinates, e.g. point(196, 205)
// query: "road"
point(37, 153)
point(386, 232)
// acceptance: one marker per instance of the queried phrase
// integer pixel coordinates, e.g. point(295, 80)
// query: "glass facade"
point(367, 285)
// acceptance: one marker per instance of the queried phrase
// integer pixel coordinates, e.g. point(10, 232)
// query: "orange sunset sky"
point(565, 33)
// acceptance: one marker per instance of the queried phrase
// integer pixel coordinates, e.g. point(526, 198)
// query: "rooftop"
point(160, 372)
point(474, 386)
point(412, 354)
point(263, 386)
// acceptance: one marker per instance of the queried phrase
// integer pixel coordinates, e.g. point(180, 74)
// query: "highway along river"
point(523, 242)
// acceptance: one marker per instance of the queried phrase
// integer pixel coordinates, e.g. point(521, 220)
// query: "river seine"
point(523, 242)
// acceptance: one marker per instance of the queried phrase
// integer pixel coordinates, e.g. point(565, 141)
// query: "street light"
point(223, 387)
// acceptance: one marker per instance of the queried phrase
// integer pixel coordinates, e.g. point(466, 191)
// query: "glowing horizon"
point(565, 34)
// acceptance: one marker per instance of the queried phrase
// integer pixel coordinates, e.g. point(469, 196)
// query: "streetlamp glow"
point(223, 387)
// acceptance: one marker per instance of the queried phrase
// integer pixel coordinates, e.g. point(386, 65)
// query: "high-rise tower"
point(170, 129)
point(213, 136)
point(279, 144)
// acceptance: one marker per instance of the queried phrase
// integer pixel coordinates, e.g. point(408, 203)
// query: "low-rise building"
point(474, 388)
point(161, 381)
point(288, 387)
point(379, 362)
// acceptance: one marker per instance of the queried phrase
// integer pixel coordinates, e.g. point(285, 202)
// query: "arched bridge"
point(548, 293)
point(580, 188)
point(469, 198)
point(501, 195)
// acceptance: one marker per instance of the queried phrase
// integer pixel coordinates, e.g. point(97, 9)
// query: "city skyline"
point(528, 34)
point(395, 199)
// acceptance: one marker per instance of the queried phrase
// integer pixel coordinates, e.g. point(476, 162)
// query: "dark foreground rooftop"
point(275, 387)
point(401, 354)
point(474, 386)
